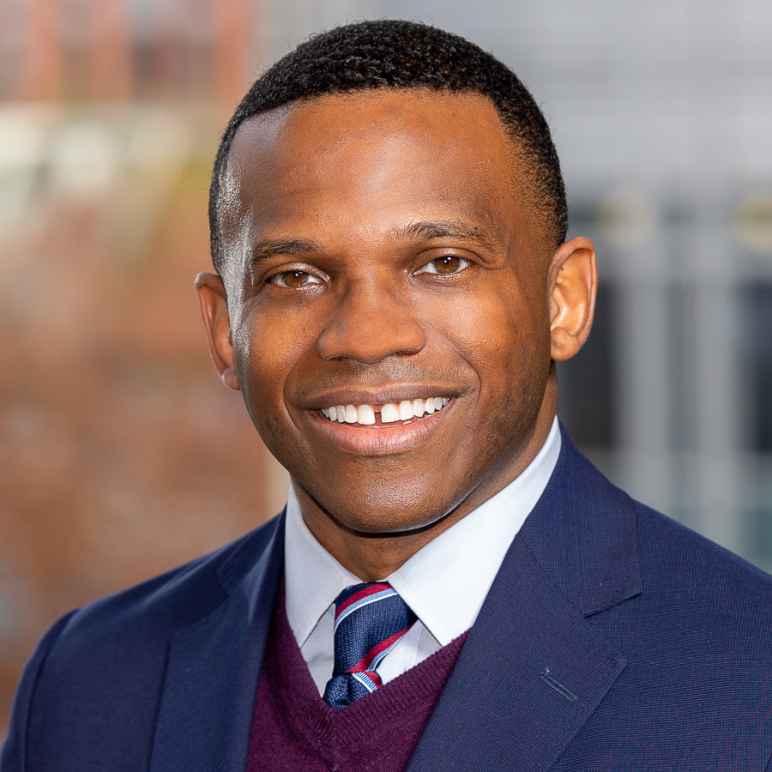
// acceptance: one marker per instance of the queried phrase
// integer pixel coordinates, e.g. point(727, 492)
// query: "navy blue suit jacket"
point(612, 638)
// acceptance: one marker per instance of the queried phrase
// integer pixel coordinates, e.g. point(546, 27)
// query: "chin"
point(393, 517)
point(388, 525)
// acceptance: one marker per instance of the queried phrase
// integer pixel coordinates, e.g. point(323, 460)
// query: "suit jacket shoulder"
point(620, 641)
point(697, 637)
point(680, 564)
point(97, 664)
point(178, 597)
point(697, 690)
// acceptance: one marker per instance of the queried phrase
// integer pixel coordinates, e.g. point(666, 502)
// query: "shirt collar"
point(313, 577)
point(444, 583)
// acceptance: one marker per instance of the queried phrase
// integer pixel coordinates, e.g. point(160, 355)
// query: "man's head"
point(395, 240)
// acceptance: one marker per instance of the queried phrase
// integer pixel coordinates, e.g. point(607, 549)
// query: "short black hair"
point(400, 55)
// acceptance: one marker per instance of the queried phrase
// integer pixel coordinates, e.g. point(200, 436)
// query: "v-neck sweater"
point(293, 728)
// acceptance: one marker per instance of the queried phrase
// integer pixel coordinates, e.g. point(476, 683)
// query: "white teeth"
point(389, 413)
point(365, 415)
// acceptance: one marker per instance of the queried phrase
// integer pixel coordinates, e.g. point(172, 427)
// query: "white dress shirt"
point(444, 583)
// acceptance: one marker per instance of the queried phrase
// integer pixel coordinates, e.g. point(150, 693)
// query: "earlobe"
point(573, 287)
point(214, 314)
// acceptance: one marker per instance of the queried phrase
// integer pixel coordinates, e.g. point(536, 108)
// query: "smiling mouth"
point(392, 412)
point(375, 436)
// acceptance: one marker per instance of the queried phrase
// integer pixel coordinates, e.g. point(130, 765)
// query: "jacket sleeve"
point(13, 753)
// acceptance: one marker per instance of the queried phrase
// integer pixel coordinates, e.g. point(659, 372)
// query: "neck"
point(372, 557)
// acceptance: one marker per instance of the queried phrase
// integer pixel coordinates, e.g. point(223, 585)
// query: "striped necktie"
point(370, 619)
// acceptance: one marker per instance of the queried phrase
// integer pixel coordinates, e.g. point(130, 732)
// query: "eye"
point(446, 265)
point(294, 279)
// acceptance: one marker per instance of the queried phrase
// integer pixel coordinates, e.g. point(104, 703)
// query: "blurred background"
point(120, 453)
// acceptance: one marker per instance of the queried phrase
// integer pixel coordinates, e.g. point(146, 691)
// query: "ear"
point(573, 284)
point(214, 313)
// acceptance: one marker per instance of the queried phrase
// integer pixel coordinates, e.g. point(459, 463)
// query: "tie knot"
point(355, 598)
point(370, 618)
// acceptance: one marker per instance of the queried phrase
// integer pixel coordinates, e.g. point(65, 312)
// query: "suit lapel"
point(533, 669)
point(212, 669)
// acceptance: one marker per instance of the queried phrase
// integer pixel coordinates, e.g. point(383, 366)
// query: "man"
point(451, 584)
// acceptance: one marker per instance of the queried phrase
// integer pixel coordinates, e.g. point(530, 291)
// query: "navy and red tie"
point(370, 618)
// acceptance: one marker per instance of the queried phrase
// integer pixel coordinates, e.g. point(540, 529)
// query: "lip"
point(377, 397)
point(380, 440)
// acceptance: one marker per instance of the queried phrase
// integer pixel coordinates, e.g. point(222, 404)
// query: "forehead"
point(369, 159)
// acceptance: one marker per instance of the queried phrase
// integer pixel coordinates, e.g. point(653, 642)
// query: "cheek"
point(503, 335)
point(268, 349)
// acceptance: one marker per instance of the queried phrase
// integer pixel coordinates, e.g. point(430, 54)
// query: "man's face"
point(383, 248)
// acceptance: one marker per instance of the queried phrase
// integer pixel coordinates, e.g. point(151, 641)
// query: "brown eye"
point(446, 265)
point(296, 279)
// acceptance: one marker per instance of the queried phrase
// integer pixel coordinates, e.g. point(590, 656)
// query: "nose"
point(370, 323)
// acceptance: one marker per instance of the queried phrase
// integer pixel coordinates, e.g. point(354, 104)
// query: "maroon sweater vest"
point(294, 729)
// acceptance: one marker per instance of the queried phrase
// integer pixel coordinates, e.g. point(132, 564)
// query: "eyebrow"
point(269, 247)
point(436, 229)
point(422, 229)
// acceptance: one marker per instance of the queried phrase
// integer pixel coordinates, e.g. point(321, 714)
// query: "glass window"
point(587, 393)
point(755, 349)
